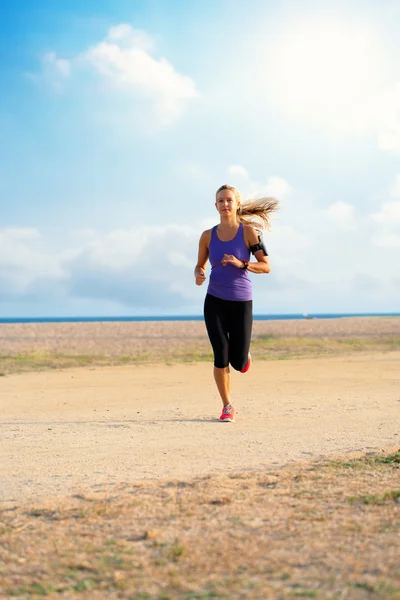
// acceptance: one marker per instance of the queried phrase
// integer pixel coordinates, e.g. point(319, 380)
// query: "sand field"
point(65, 429)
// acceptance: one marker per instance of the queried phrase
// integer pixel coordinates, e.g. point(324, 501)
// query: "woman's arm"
point(202, 259)
point(262, 265)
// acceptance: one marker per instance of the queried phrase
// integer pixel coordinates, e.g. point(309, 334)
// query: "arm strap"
point(259, 246)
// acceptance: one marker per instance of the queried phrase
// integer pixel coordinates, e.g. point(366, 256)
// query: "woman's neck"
point(228, 224)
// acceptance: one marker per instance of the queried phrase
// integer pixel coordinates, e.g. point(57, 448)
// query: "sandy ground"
point(71, 430)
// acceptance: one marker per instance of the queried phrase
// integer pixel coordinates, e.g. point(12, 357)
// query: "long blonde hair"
point(253, 212)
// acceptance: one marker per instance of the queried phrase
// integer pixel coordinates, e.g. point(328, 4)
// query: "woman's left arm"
point(262, 265)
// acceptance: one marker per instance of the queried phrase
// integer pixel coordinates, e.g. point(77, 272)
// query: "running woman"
point(228, 305)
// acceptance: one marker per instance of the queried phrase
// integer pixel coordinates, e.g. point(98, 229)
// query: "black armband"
point(259, 246)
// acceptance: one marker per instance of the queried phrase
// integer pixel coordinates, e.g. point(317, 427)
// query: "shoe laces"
point(227, 409)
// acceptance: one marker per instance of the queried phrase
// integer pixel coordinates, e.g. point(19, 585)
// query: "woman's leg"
point(223, 380)
point(241, 323)
point(215, 317)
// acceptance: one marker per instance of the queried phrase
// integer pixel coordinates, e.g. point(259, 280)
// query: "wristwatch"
point(245, 265)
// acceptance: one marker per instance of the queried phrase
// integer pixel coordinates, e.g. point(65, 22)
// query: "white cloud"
point(126, 63)
point(335, 73)
point(274, 186)
point(178, 259)
point(60, 66)
point(311, 255)
point(324, 70)
point(387, 220)
point(388, 217)
point(190, 169)
point(23, 260)
point(342, 213)
point(288, 238)
point(54, 71)
point(121, 249)
point(126, 35)
point(124, 60)
point(18, 233)
point(111, 267)
point(116, 267)
point(362, 281)
point(238, 170)
point(386, 115)
point(395, 189)
point(386, 240)
point(315, 257)
point(116, 250)
point(389, 213)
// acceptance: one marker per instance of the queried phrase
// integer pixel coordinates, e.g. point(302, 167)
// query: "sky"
point(120, 118)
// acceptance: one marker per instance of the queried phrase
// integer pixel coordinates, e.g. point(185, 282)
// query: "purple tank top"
point(229, 283)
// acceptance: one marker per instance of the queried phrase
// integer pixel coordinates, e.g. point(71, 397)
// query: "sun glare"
point(326, 71)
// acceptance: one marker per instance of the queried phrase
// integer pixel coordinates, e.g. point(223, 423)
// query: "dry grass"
point(324, 530)
point(263, 348)
point(34, 346)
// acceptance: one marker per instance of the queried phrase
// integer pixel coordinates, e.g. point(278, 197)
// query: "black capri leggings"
point(229, 324)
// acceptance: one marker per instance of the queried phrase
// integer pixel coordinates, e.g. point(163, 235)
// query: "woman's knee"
point(238, 363)
point(221, 363)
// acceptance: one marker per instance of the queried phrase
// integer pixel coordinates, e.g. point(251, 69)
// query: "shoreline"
point(185, 318)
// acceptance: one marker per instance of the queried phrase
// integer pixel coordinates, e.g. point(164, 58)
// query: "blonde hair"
point(253, 212)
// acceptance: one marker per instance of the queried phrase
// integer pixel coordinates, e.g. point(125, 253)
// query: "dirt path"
point(65, 431)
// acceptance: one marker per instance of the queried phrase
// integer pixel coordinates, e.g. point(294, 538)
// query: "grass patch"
point(33, 589)
point(382, 590)
point(262, 348)
point(391, 459)
point(346, 464)
point(45, 361)
point(376, 498)
point(268, 347)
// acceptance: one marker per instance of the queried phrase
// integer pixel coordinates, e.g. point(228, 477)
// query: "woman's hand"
point(200, 276)
point(229, 259)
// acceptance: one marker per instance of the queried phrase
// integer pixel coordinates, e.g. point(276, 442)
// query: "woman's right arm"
point(200, 268)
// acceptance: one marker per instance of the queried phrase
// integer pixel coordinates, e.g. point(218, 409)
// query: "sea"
point(273, 317)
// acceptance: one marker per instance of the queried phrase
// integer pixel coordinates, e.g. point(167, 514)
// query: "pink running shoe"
point(228, 414)
point(247, 365)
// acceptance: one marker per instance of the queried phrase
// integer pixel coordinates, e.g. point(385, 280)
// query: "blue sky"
point(119, 120)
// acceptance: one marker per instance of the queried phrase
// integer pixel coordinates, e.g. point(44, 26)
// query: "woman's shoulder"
point(206, 235)
point(250, 233)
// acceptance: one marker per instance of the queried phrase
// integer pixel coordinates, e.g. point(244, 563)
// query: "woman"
point(228, 306)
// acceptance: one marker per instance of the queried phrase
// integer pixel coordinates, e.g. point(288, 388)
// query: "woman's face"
point(226, 203)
